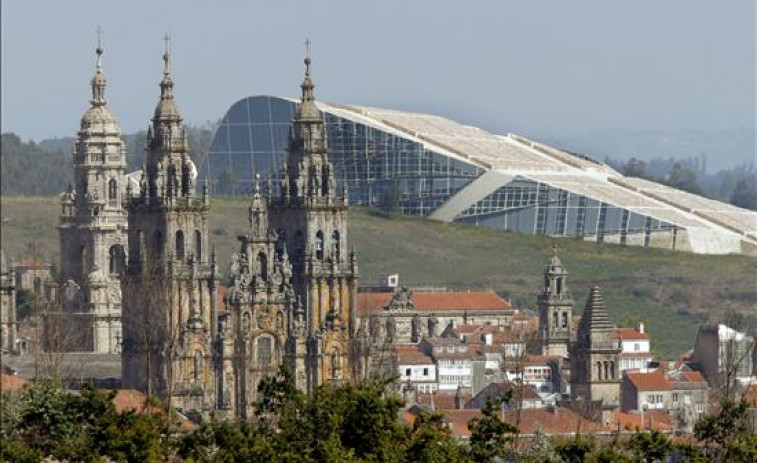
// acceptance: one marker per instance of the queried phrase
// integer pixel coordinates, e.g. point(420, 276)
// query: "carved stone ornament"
point(402, 301)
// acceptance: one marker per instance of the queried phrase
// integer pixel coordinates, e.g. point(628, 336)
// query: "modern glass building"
point(442, 169)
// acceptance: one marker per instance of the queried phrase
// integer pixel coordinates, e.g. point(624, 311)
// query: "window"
point(180, 245)
point(112, 191)
point(116, 259)
point(264, 351)
point(335, 246)
point(407, 371)
point(636, 346)
point(425, 372)
point(198, 246)
point(675, 397)
point(262, 266)
point(319, 245)
point(565, 319)
point(198, 365)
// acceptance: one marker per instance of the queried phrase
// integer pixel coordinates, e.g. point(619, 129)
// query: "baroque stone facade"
point(170, 282)
point(92, 229)
point(261, 316)
point(310, 218)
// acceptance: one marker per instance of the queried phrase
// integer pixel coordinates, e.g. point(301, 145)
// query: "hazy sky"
point(532, 67)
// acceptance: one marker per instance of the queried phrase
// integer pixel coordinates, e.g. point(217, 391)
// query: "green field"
point(671, 291)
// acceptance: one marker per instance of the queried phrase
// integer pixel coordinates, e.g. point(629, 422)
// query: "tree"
point(725, 433)
point(745, 194)
point(650, 446)
point(490, 436)
point(432, 442)
point(683, 178)
point(635, 168)
point(390, 199)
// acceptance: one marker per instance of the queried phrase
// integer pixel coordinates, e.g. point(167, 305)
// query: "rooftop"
point(438, 302)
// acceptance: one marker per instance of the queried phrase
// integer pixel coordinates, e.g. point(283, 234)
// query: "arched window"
point(198, 246)
point(565, 319)
point(116, 259)
point(612, 369)
point(299, 244)
point(180, 245)
point(262, 266)
point(556, 319)
point(599, 370)
point(198, 365)
point(336, 245)
point(112, 190)
point(280, 242)
point(157, 249)
point(607, 369)
point(37, 285)
point(319, 245)
point(335, 365)
point(264, 351)
point(559, 286)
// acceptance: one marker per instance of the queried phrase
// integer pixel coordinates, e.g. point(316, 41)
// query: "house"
point(635, 353)
point(678, 391)
point(516, 396)
point(416, 368)
point(454, 361)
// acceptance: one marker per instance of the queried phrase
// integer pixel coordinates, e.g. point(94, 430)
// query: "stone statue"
point(432, 324)
point(416, 328)
point(391, 329)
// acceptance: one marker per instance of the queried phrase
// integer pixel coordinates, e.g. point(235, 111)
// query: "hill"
point(671, 291)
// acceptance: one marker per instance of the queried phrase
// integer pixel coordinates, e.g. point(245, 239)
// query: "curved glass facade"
point(253, 136)
point(436, 167)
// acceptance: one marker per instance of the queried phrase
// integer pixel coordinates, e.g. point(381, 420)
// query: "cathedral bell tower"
point(555, 309)
point(310, 218)
point(170, 284)
point(92, 229)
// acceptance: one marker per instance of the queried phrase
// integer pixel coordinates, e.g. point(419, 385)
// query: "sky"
point(542, 69)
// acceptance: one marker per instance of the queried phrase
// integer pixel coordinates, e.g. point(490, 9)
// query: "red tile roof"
point(440, 401)
point(12, 383)
point(652, 381)
point(438, 302)
point(653, 419)
point(413, 358)
point(630, 334)
point(693, 377)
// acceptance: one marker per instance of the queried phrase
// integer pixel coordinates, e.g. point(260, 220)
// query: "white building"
point(721, 351)
point(416, 368)
point(635, 353)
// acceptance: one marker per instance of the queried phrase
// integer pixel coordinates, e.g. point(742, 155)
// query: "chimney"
point(641, 327)
point(459, 398)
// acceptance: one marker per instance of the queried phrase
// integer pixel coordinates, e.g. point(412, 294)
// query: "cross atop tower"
point(99, 33)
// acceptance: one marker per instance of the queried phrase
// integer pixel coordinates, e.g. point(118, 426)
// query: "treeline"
point(737, 185)
point(45, 168)
point(345, 423)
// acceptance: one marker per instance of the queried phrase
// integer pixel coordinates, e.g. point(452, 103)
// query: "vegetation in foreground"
point(348, 423)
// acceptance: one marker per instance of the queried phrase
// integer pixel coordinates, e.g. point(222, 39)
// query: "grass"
point(673, 292)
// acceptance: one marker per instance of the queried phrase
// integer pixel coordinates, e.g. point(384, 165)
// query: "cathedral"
point(292, 286)
point(92, 230)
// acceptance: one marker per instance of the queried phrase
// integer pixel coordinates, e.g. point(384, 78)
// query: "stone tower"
point(169, 286)
point(8, 316)
point(253, 331)
point(93, 229)
point(594, 356)
point(310, 219)
point(555, 310)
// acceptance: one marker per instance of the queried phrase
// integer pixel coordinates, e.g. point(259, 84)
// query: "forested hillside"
point(44, 168)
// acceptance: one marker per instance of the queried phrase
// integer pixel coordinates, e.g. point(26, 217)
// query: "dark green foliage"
point(575, 450)
point(390, 199)
point(490, 436)
point(635, 168)
point(27, 169)
point(650, 446)
point(745, 193)
point(725, 434)
point(683, 178)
